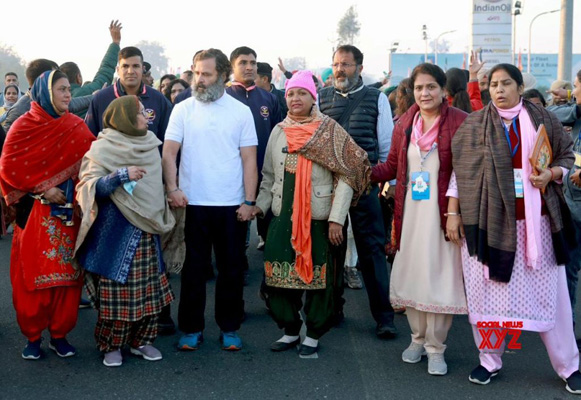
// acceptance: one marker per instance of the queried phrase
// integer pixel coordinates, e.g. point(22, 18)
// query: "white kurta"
point(427, 270)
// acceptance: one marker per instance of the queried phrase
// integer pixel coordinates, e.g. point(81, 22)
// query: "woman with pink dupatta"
point(426, 277)
point(515, 225)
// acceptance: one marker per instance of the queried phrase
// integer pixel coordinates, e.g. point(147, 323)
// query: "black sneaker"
point(62, 347)
point(165, 326)
point(386, 331)
point(84, 303)
point(574, 383)
point(481, 376)
point(32, 350)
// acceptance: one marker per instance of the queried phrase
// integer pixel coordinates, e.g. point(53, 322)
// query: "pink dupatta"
point(532, 195)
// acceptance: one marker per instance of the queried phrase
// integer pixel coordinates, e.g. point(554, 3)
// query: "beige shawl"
point(147, 207)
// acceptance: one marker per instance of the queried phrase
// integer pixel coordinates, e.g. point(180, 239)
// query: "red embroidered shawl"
point(41, 152)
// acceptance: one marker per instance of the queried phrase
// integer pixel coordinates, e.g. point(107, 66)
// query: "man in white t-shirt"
point(217, 185)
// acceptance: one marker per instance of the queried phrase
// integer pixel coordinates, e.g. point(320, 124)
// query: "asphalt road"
point(352, 363)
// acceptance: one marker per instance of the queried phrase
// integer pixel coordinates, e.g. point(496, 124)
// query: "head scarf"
point(121, 115)
point(41, 92)
point(43, 149)
point(9, 105)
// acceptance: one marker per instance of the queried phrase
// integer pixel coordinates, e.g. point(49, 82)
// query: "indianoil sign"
point(492, 30)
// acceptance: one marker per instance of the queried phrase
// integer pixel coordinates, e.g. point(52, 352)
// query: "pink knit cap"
point(304, 80)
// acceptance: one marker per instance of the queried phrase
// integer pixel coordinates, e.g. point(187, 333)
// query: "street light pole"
point(436, 45)
point(392, 49)
point(517, 6)
point(565, 41)
point(425, 37)
point(530, 36)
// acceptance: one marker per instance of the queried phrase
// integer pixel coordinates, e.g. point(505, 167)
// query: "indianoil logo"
point(492, 6)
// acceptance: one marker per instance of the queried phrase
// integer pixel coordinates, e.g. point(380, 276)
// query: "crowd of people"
point(111, 184)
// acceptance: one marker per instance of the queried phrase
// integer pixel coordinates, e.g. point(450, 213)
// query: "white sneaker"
point(413, 354)
point(436, 364)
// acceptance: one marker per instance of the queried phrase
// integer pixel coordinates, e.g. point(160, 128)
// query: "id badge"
point(518, 183)
point(577, 159)
point(421, 185)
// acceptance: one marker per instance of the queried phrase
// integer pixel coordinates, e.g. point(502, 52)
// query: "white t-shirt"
point(211, 135)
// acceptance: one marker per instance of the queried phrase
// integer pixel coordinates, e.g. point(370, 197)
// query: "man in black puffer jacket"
point(364, 112)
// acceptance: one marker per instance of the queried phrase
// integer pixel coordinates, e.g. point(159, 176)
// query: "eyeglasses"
point(143, 112)
point(342, 65)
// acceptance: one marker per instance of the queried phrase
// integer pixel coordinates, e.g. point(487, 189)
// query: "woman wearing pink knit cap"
point(313, 171)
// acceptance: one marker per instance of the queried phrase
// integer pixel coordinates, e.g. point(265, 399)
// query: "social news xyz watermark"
point(500, 331)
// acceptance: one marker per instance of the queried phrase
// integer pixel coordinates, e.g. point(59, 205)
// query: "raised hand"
point(115, 30)
point(475, 65)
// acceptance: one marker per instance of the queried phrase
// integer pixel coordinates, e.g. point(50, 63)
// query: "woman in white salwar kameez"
point(427, 271)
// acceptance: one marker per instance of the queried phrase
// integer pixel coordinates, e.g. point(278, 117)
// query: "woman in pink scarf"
point(514, 233)
point(427, 270)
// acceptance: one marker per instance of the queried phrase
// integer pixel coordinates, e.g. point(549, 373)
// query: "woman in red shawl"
point(38, 169)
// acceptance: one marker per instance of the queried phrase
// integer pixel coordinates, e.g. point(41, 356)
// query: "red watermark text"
point(500, 331)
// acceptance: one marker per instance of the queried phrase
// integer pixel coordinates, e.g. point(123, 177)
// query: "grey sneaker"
point(148, 352)
point(113, 359)
point(436, 364)
point(352, 278)
point(413, 354)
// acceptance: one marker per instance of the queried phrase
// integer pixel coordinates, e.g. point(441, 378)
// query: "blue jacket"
point(112, 241)
point(156, 105)
point(266, 112)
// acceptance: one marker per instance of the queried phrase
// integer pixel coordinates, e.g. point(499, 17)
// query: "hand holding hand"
point(177, 198)
point(245, 213)
point(257, 212)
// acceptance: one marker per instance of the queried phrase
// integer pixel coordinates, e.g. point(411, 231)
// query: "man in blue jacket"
point(264, 81)
point(264, 106)
point(130, 71)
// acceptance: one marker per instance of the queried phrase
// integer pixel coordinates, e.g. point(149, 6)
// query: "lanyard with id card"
point(421, 179)
point(518, 172)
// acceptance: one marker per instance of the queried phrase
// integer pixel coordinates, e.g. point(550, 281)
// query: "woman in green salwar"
point(313, 172)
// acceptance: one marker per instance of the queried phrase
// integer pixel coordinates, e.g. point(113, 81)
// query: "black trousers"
point(369, 233)
point(208, 226)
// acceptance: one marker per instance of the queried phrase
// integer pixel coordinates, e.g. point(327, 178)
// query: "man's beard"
point(210, 94)
point(346, 84)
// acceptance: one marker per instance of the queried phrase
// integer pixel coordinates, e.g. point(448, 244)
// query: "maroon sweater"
point(396, 165)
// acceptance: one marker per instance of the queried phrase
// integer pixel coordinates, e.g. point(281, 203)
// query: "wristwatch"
point(249, 203)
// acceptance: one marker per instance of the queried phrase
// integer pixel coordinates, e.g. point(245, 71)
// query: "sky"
point(78, 30)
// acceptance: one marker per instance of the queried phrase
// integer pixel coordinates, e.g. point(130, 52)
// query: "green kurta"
point(279, 255)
